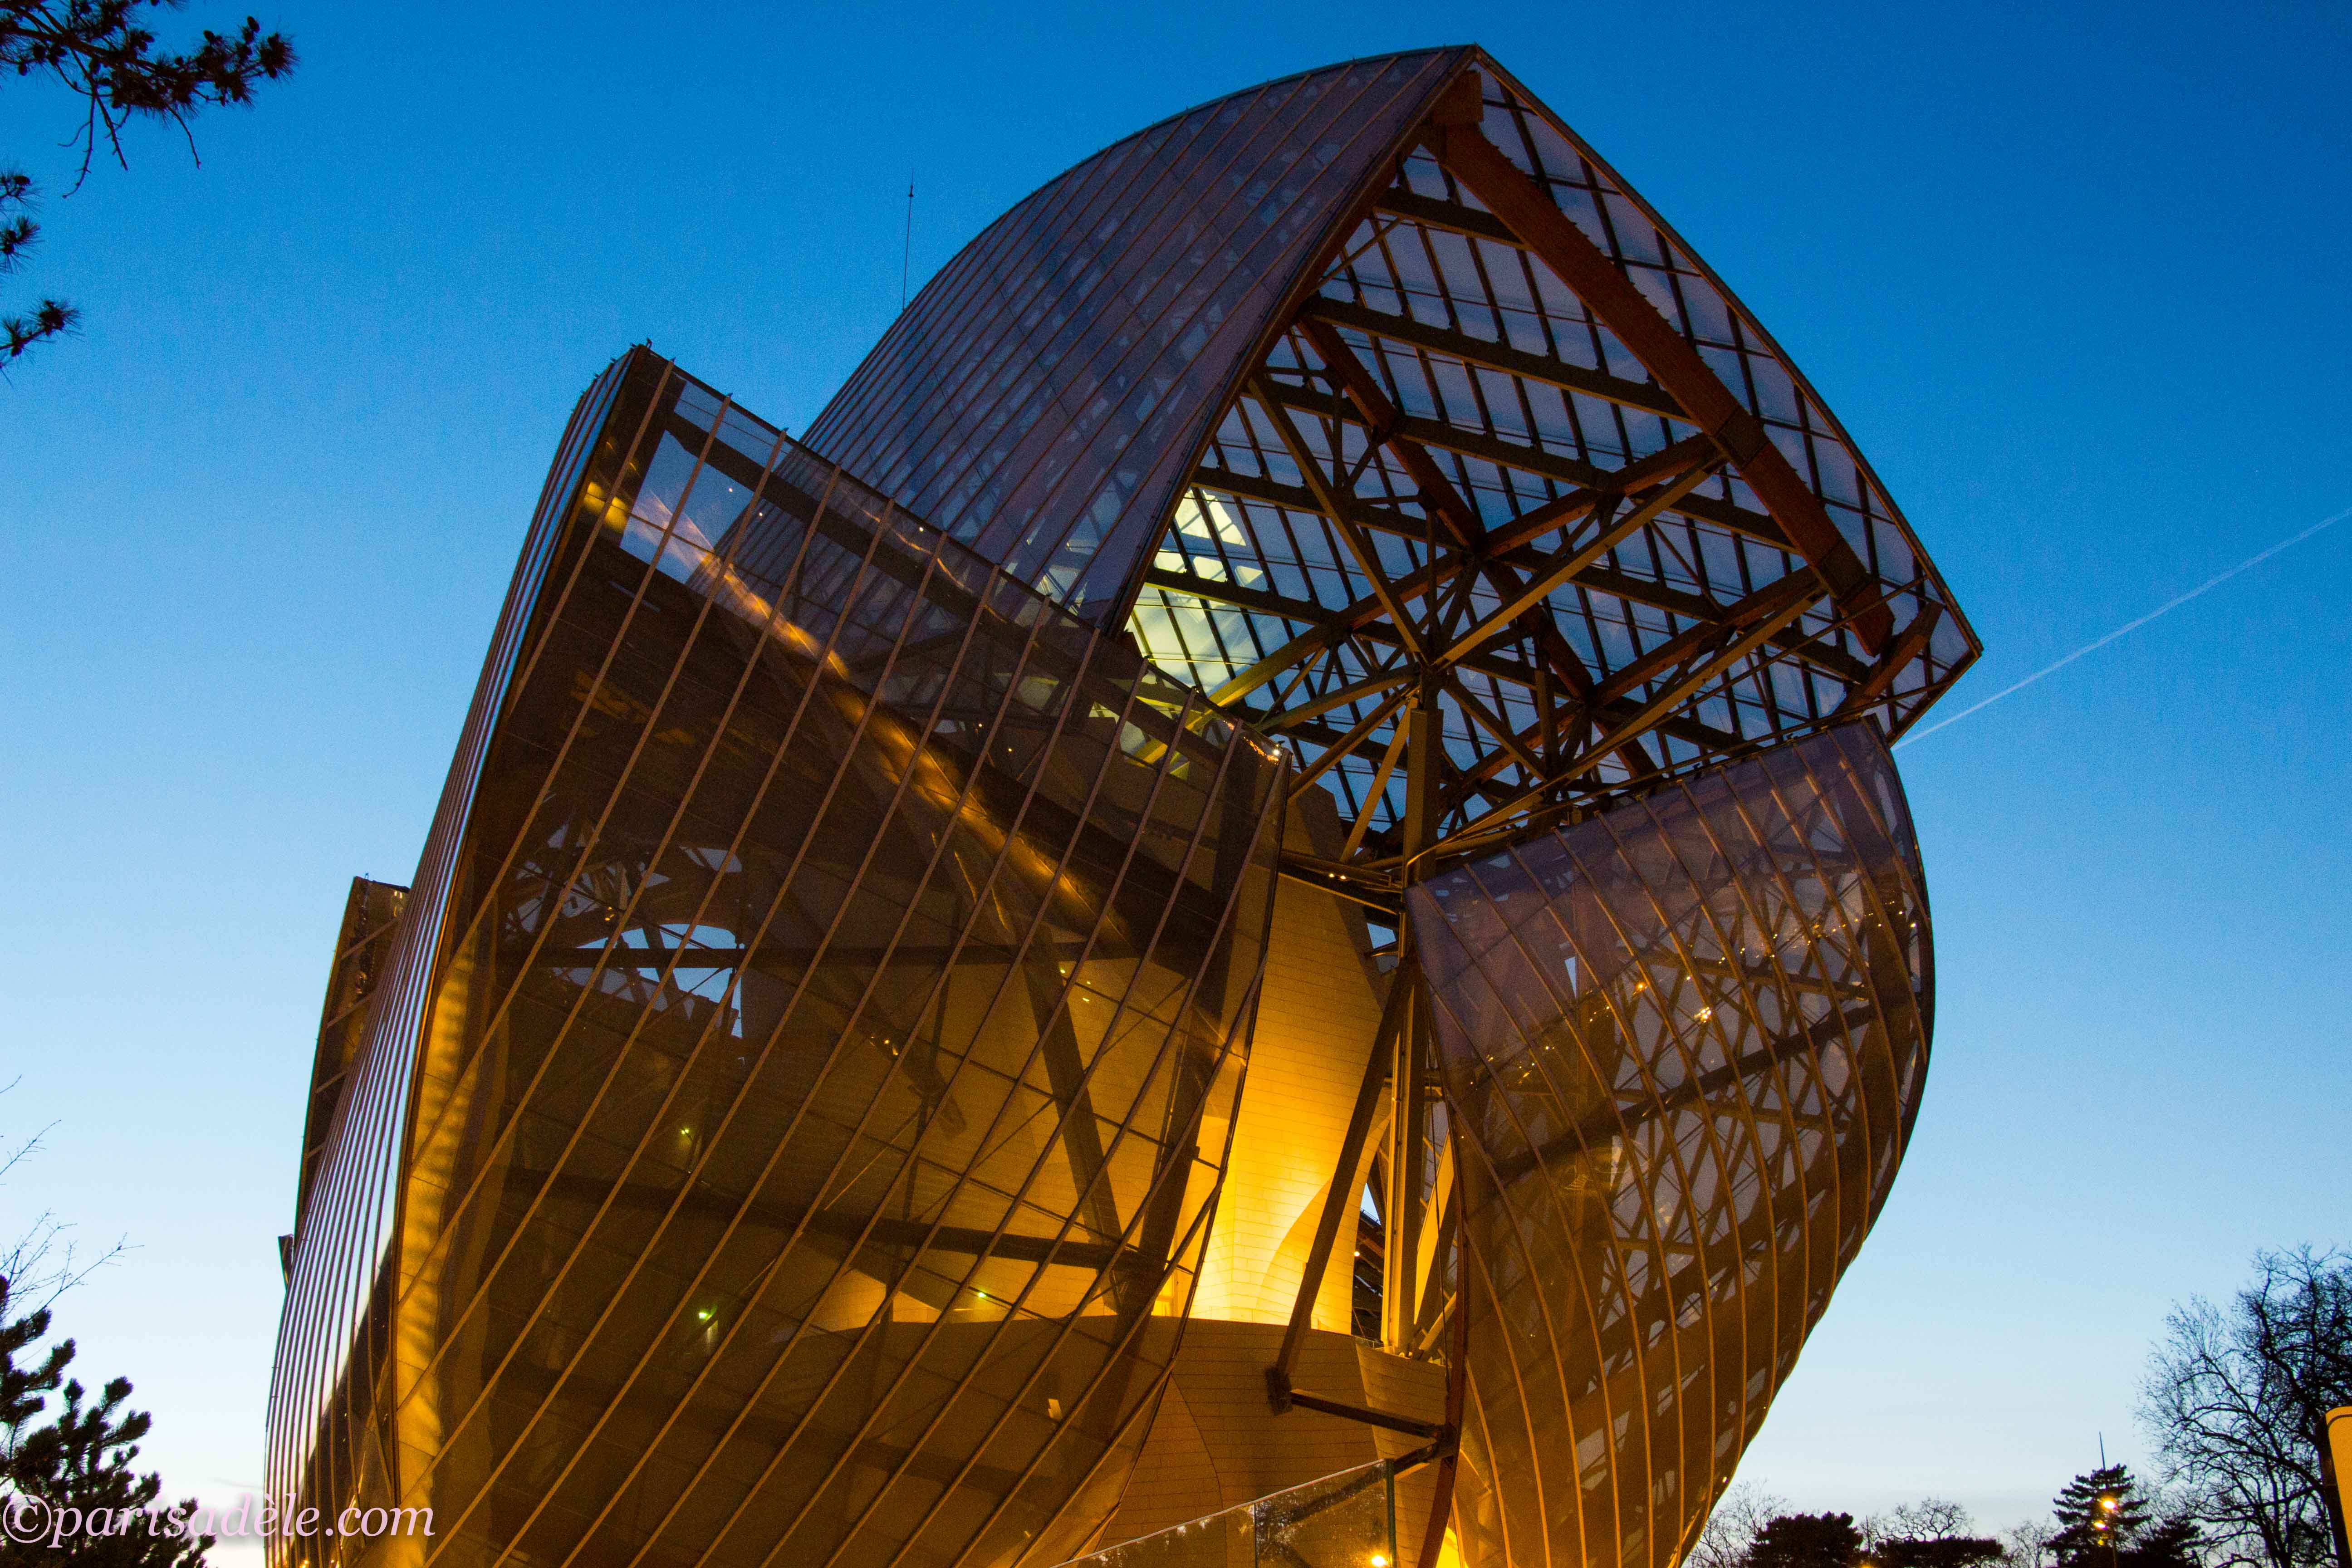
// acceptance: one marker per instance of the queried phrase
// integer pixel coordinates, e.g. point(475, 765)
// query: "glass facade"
point(1683, 1043)
point(1348, 1518)
point(836, 1000)
point(1042, 397)
point(1269, 862)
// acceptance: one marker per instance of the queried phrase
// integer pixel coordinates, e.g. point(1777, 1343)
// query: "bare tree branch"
point(2236, 1398)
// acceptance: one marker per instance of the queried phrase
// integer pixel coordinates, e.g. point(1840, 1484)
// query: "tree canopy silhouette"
point(77, 1454)
point(107, 56)
point(2237, 1399)
point(2103, 1522)
point(1807, 1541)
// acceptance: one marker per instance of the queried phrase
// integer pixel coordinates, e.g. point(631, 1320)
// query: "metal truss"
point(1490, 540)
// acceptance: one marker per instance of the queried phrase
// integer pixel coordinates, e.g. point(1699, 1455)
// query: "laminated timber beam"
point(1458, 138)
point(1650, 712)
point(1340, 510)
point(1334, 626)
point(1519, 455)
point(1437, 493)
point(1497, 357)
point(1611, 697)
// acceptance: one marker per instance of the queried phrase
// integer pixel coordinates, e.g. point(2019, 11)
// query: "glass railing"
point(1344, 1521)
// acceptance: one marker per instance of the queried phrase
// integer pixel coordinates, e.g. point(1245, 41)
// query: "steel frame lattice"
point(843, 1087)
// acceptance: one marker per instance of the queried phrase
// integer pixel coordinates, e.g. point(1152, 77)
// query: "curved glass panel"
point(1043, 396)
point(841, 990)
point(1683, 1045)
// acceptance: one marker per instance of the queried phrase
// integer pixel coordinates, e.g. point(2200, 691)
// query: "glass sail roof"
point(1449, 483)
point(1373, 402)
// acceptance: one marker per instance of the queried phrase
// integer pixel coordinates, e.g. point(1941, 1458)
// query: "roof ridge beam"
point(1457, 136)
point(1496, 356)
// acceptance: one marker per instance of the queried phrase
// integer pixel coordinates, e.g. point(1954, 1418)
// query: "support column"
point(1407, 1162)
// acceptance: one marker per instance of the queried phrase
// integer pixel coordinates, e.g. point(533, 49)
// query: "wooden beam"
point(1864, 693)
point(1530, 460)
point(1566, 568)
point(1799, 585)
point(1647, 716)
point(1372, 686)
point(1436, 212)
point(1338, 508)
point(1635, 395)
point(1334, 754)
point(1461, 145)
point(1437, 491)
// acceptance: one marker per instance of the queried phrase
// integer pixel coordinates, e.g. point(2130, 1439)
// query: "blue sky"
point(2075, 279)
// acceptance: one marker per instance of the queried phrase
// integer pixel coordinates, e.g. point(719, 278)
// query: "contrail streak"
point(2166, 608)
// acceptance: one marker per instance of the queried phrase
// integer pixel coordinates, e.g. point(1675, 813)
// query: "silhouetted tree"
point(1739, 1515)
point(2103, 1522)
point(2026, 1543)
point(103, 52)
point(1930, 1533)
point(1807, 1541)
point(79, 1458)
point(2236, 1399)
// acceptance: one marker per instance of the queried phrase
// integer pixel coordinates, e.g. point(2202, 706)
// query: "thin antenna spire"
point(907, 255)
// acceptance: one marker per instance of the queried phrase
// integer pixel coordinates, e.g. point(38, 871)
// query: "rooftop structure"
point(1266, 861)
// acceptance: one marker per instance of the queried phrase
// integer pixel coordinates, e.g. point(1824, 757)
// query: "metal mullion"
point(1776, 874)
point(1856, 944)
point(1343, 266)
point(1111, 1445)
point(1886, 1025)
point(1390, 239)
point(595, 686)
point(967, 408)
point(1235, 746)
point(1437, 277)
point(1648, 1170)
point(1547, 1199)
point(1772, 1195)
point(750, 665)
point(947, 969)
point(1107, 189)
point(363, 1206)
point(1173, 1168)
point(563, 751)
point(882, 1399)
point(1684, 957)
point(1161, 320)
point(661, 1119)
point(597, 968)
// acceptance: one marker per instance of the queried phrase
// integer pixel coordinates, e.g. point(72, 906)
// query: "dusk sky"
point(2075, 279)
